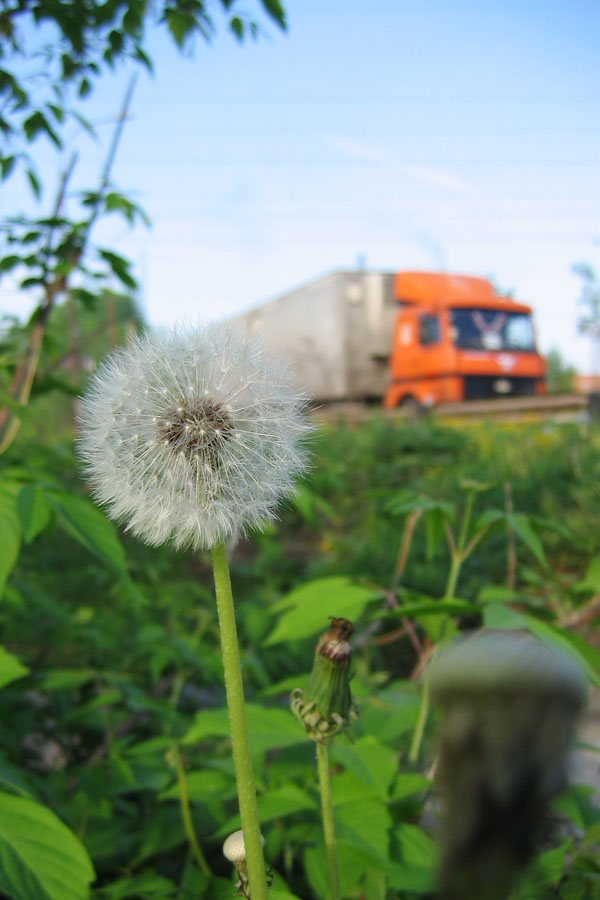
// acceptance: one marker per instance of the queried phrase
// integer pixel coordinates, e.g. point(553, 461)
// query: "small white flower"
point(192, 436)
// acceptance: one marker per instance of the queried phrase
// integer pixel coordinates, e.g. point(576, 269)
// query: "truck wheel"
point(412, 408)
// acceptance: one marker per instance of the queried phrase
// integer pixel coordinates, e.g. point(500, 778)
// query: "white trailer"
point(337, 332)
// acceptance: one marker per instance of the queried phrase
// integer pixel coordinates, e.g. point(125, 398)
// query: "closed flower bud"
point(509, 707)
point(326, 706)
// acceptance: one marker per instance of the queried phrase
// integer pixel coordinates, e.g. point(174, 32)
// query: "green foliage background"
point(111, 673)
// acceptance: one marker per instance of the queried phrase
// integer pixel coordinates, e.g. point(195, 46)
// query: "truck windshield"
point(491, 329)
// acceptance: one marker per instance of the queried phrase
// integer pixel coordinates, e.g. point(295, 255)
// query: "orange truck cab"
point(456, 339)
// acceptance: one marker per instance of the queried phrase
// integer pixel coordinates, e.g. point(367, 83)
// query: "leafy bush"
point(111, 672)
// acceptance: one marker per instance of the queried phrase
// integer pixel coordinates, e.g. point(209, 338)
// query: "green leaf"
point(276, 11)
point(36, 124)
point(10, 531)
point(428, 606)
point(85, 87)
point(144, 59)
point(372, 762)
point(416, 848)
point(408, 783)
point(10, 668)
point(592, 835)
point(151, 747)
point(40, 859)
point(14, 778)
point(364, 822)
point(237, 26)
point(306, 610)
point(586, 657)
point(119, 267)
point(181, 25)
point(314, 864)
point(57, 112)
point(498, 615)
point(202, 785)
point(546, 870)
point(33, 510)
point(160, 832)
point(8, 263)
point(114, 202)
point(286, 685)
point(415, 879)
point(521, 526)
point(284, 801)
point(488, 518)
point(355, 860)
point(65, 679)
point(147, 884)
point(109, 697)
point(434, 529)
point(404, 503)
point(278, 803)
point(268, 728)
point(91, 528)
point(391, 713)
point(497, 593)
point(7, 164)
point(208, 723)
point(591, 580)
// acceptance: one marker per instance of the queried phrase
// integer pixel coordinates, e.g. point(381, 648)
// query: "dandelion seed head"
point(192, 436)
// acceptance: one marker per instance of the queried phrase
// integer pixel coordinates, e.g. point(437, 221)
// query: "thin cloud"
point(438, 177)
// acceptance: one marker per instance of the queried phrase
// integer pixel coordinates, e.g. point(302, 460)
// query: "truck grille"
point(482, 387)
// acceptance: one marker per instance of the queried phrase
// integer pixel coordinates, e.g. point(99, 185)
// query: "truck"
point(410, 338)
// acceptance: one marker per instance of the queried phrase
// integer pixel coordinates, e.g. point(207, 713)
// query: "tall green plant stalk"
point(188, 825)
point(328, 823)
point(459, 551)
point(242, 760)
point(417, 737)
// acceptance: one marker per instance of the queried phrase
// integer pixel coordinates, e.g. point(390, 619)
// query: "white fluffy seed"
point(164, 494)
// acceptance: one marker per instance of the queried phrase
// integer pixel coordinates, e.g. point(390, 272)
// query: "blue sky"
point(441, 135)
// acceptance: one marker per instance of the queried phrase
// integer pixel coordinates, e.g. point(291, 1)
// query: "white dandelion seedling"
point(192, 437)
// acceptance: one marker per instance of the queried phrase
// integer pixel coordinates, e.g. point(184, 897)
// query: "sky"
point(443, 135)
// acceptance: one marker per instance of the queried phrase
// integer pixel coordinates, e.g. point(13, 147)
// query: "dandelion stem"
point(328, 825)
point(417, 738)
point(188, 825)
point(242, 760)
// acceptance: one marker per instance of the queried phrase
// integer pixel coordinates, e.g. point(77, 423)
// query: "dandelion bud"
point(326, 706)
point(192, 436)
point(509, 710)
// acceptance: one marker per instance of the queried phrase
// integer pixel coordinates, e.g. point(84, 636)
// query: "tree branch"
point(20, 388)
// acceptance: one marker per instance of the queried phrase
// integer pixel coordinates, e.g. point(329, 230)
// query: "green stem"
point(417, 738)
point(188, 825)
point(242, 760)
point(453, 577)
point(327, 814)
point(459, 556)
